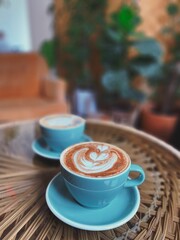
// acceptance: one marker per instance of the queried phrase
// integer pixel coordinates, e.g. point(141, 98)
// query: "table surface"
point(24, 177)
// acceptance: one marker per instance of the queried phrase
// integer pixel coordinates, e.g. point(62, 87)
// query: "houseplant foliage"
point(86, 19)
point(48, 50)
point(127, 54)
point(167, 87)
point(161, 117)
point(49, 47)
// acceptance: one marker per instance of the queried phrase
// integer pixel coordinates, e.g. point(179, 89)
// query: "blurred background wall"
point(15, 24)
point(40, 22)
point(25, 23)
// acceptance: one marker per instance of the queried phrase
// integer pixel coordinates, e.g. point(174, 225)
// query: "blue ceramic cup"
point(79, 164)
point(61, 130)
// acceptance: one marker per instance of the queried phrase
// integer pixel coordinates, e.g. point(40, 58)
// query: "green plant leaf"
point(172, 9)
point(114, 35)
point(146, 66)
point(116, 82)
point(48, 50)
point(150, 47)
point(127, 18)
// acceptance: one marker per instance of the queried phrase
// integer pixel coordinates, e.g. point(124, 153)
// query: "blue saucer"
point(41, 148)
point(64, 207)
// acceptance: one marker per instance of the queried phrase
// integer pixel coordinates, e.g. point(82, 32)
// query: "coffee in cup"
point(61, 121)
point(95, 172)
point(96, 160)
point(61, 130)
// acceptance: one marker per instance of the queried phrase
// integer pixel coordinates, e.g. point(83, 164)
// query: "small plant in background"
point(167, 87)
point(48, 50)
point(161, 117)
point(126, 55)
point(86, 18)
point(49, 47)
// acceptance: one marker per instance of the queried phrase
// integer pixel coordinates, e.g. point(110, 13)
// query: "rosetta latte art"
point(89, 160)
point(96, 159)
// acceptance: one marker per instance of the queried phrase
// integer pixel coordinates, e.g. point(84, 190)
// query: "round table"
point(24, 177)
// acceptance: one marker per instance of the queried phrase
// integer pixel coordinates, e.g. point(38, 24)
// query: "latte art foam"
point(96, 160)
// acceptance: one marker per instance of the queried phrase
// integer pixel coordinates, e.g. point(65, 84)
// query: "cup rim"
point(59, 128)
point(89, 177)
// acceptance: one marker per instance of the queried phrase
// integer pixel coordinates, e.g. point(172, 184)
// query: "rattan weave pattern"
point(23, 210)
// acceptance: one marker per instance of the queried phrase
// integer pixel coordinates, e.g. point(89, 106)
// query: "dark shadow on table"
point(45, 162)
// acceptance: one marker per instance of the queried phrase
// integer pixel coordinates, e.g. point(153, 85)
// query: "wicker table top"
point(24, 177)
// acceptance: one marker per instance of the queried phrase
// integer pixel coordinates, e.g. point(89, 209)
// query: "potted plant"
point(85, 20)
point(160, 117)
point(49, 47)
point(127, 57)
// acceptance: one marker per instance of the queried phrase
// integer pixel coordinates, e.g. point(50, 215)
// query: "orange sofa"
point(26, 92)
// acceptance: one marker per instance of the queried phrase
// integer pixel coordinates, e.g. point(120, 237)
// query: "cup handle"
point(136, 181)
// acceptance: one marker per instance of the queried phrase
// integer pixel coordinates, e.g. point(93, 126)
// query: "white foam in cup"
point(95, 159)
point(61, 121)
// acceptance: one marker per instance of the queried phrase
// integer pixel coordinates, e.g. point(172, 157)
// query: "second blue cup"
point(60, 131)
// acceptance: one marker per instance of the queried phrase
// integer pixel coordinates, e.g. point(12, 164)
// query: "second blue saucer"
point(41, 148)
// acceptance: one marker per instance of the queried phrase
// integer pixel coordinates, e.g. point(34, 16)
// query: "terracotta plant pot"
point(156, 124)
